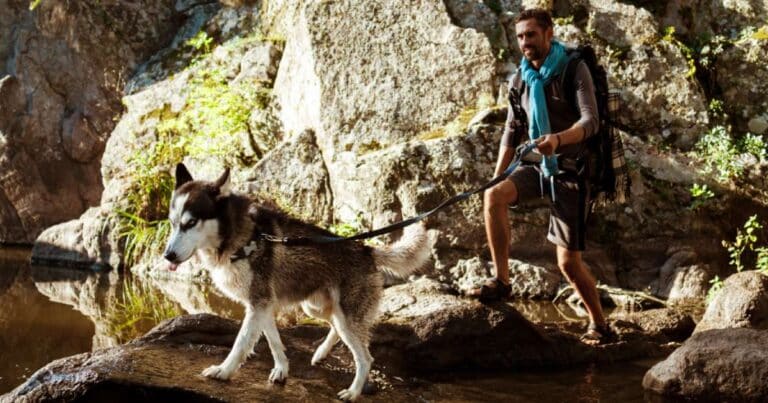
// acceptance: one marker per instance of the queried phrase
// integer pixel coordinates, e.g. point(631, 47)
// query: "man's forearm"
point(572, 135)
point(505, 157)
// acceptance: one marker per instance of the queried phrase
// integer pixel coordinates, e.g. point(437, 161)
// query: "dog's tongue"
point(173, 266)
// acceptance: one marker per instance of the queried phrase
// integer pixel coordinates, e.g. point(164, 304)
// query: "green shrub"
point(700, 194)
point(721, 154)
point(347, 229)
point(688, 52)
point(746, 241)
point(761, 34)
point(762, 260)
point(716, 284)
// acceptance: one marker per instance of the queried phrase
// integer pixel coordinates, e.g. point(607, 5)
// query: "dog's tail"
point(406, 255)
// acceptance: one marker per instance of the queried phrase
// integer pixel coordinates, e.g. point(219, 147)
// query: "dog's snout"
point(170, 256)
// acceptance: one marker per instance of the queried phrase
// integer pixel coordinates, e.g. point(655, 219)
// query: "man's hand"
point(548, 144)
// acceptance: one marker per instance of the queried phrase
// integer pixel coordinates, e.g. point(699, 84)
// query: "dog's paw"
point(348, 395)
point(217, 372)
point(317, 357)
point(278, 374)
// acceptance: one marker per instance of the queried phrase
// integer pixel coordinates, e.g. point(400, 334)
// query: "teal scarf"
point(538, 121)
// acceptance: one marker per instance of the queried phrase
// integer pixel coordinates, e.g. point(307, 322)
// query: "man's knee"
point(500, 195)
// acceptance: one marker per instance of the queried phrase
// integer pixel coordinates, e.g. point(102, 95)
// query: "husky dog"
point(340, 283)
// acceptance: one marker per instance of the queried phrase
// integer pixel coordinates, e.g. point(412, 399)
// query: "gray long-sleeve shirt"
point(562, 115)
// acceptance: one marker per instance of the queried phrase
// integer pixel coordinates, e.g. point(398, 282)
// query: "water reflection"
point(33, 329)
point(52, 312)
point(614, 383)
point(125, 307)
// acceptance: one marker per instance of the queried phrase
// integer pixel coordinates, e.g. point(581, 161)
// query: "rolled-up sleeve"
point(585, 97)
point(508, 138)
point(515, 127)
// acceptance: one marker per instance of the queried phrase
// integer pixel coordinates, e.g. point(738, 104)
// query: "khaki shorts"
point(568, 213)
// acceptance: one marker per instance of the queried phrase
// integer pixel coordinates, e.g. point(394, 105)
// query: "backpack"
point(603, 155)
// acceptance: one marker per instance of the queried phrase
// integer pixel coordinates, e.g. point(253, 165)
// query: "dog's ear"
point(182, 175)
point(223, 183)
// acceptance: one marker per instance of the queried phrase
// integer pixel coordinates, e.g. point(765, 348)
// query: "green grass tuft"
point(137, 309)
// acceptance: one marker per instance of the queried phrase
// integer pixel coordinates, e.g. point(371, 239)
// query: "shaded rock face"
point(698, 16)
point(715, 365)
point(60, 91)
point(423, 328)
point(682, 281)
point(743, 84)
point(742, 302)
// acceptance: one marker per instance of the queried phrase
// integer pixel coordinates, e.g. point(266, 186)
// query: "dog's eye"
point(191, 223)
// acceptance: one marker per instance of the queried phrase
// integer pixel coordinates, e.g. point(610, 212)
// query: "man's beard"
point(535, 53)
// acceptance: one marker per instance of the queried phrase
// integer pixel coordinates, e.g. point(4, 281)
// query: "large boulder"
point(84, 242)
point(68, 84)
point(716, 365)
point(365, 83)
point(701, 17)
point(681, 280)
point(658, 99)
point(742, 302)
point(743, 80)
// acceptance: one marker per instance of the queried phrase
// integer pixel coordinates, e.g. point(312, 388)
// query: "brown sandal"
point(492, 290)
point(597, 335)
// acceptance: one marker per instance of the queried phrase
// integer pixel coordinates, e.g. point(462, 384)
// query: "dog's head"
point(194, 216)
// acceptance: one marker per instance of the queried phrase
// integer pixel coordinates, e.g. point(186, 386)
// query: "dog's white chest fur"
point(232, 278)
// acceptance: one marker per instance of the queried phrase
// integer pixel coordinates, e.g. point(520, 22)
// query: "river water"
point(49, 313)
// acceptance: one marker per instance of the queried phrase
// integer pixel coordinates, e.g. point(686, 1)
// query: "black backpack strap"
point(568, 83)
point(516, 89)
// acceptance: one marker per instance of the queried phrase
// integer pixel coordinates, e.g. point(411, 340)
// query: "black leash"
point(304, 240)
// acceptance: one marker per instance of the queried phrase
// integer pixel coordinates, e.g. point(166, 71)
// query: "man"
point(559, 128)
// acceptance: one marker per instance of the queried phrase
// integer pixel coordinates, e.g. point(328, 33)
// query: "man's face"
point(533, 40)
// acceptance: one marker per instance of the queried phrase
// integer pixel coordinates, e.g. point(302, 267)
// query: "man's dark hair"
point(541, 16)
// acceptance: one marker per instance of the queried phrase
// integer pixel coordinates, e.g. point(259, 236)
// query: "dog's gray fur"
point(339, 283)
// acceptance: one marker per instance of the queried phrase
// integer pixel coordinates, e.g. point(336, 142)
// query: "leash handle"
point(521, 152)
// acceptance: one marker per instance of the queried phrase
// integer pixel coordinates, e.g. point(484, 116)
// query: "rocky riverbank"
point(423, 330)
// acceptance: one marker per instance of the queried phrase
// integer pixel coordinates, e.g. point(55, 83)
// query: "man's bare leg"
point(495, 211)
point(578, 276)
